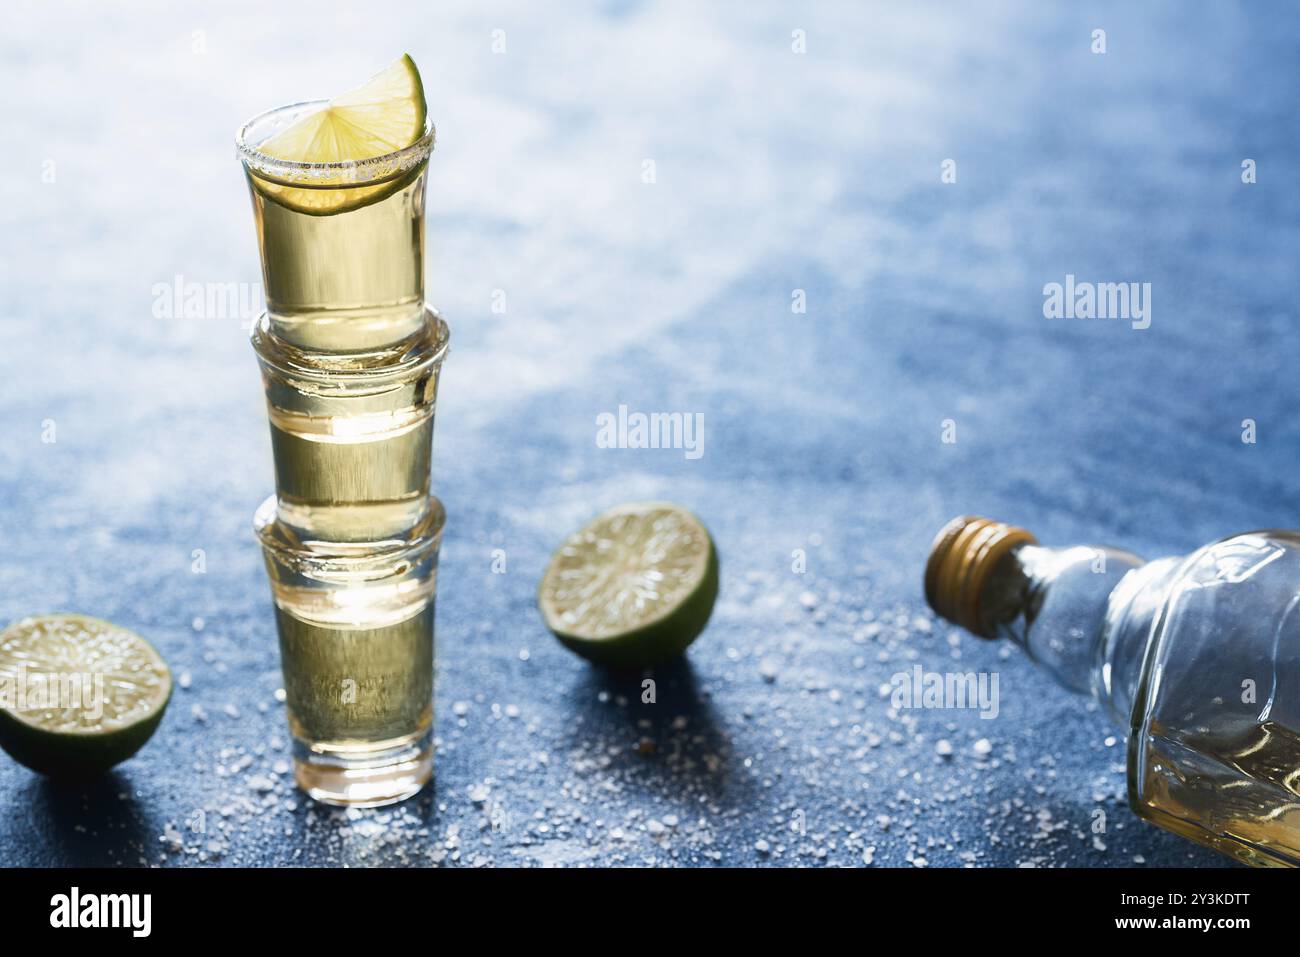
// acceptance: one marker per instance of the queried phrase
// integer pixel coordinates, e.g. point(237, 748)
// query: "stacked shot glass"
point(350, 356)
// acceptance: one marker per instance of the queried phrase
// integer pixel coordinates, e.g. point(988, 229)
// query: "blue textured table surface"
point(773, 171)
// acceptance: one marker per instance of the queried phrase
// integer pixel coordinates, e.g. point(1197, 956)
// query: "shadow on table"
point(87, 824)
point(666, 721)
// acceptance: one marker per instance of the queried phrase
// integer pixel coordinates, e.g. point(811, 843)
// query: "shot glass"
point(352, 434)
point(356, 628)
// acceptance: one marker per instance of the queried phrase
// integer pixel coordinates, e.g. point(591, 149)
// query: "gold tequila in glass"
point(350, 358)
point(351, 434)
point(356, 648)
point(342, 243)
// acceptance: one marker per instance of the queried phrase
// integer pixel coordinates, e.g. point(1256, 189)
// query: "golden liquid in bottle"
point(1233, 787)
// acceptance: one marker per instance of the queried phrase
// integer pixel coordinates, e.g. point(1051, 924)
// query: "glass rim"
point(338, 173)
point(342, 562)
point(339, 371)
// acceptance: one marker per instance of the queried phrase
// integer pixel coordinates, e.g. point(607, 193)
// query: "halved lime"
point(384, 115)
point(635, 586)
point(78, 694)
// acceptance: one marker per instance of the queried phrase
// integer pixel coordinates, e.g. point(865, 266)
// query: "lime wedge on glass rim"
point(633, 587)
point(78, 694)
point(382, 117)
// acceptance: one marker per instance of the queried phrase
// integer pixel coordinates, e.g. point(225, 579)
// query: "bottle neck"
point(1083, 614)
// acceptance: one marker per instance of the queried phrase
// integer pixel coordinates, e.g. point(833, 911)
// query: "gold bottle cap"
point(964, 552)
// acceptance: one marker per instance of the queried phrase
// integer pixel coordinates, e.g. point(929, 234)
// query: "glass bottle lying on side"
point(1197, 657)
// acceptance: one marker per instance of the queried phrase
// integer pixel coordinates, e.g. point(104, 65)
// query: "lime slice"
point(634, 587)
point(382, 116)
point(77, 694)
